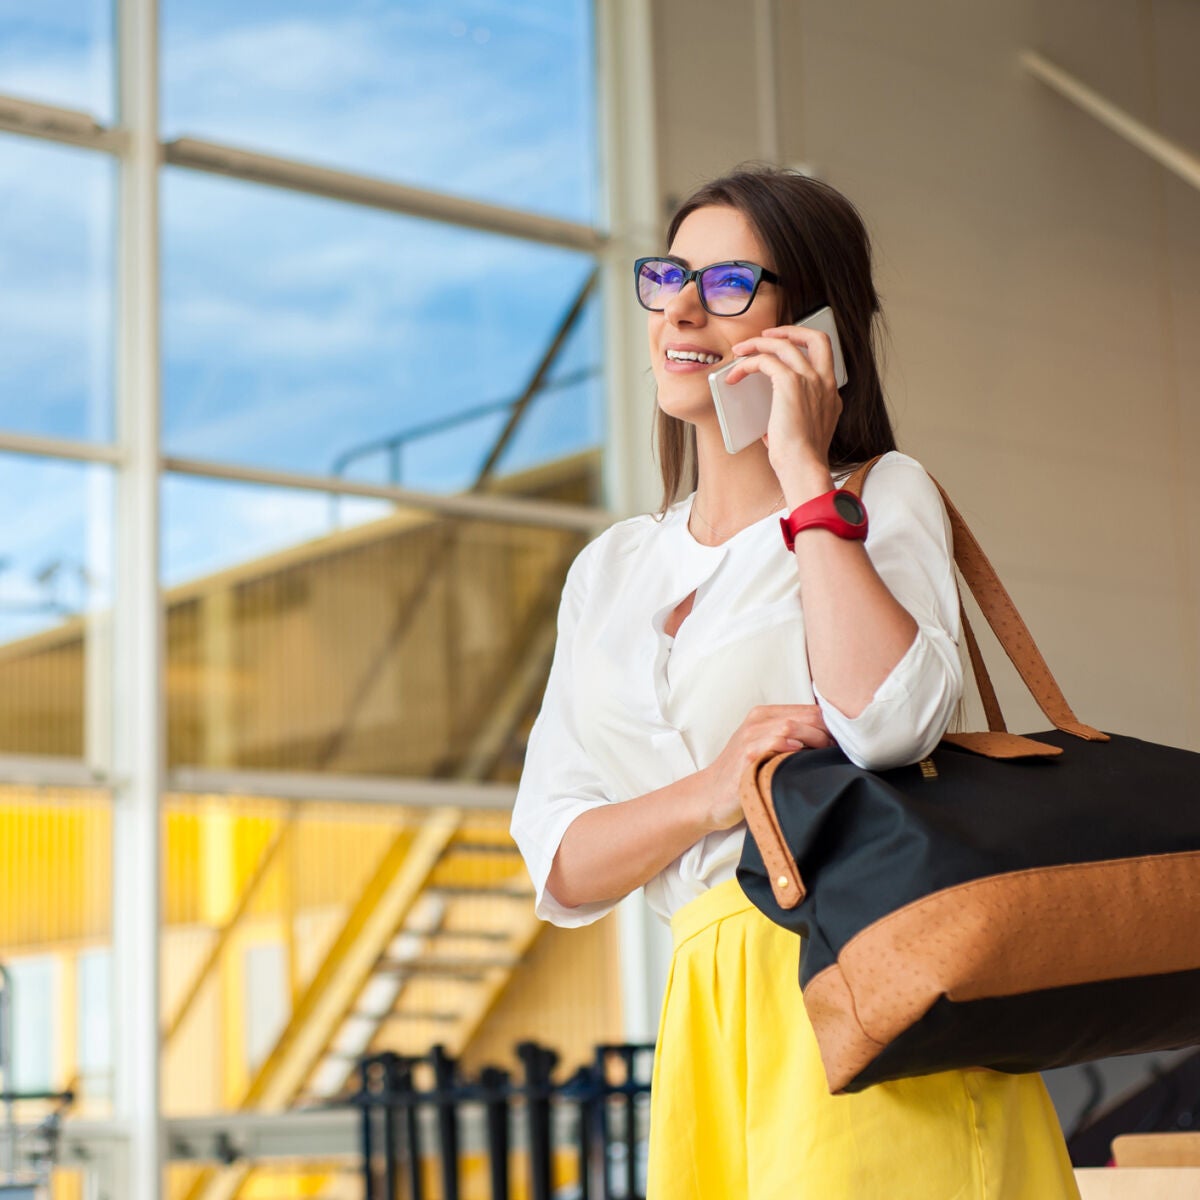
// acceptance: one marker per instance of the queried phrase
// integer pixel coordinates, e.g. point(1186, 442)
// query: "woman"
point(693, 643)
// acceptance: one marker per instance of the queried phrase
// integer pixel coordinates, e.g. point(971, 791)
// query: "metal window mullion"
point(55, 447)
point(625, 47)
point(48, 122)
point(624, 36)
point(368, 191)
point(318, 787)
point(138, 731)
point(515, 510)
point(37, 771)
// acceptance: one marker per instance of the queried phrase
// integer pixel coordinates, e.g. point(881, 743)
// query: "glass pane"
point(56, 576)
point(55, 926)
point(59, 52)
point(482, 98)
point(305, 633)
point(56, 261)
point(307, 335)
point(565, 419)
point(300, 935)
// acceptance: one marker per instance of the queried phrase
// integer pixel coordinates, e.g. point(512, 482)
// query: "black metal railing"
point(422, 1123)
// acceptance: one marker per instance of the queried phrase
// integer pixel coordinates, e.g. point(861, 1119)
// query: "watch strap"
point(821, 513)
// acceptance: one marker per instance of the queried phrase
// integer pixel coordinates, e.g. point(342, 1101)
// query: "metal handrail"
point(516, 406)
point(394, 443)
point(408, 1127)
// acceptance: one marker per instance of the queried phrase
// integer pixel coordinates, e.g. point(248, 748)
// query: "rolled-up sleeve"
point(910, 546)
point(559, 781)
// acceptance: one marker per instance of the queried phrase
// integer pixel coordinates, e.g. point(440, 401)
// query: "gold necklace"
point(721, 537)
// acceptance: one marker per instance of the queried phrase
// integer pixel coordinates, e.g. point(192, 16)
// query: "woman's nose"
point(684, 308)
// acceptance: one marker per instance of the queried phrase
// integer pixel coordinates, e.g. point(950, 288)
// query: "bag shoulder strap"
point(1011, 631)
point(1006, 623)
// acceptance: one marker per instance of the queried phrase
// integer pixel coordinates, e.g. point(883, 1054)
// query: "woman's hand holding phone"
point(768, 729)
point(805, 404)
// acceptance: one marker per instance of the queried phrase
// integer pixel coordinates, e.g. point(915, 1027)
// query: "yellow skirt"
point(740, 1109)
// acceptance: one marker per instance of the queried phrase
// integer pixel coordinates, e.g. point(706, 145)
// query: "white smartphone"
point(744, 408)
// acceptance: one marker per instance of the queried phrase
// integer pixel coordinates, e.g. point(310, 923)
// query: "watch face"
point(848, 508)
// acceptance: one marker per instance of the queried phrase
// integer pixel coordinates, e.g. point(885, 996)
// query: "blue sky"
point(293, 328)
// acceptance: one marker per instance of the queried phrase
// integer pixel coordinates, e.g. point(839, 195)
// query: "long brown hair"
point(821, 251)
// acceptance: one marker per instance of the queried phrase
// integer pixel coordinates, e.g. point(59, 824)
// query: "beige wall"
point(1041, 279)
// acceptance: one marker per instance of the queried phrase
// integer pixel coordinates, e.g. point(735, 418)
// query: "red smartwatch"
point(839, 511)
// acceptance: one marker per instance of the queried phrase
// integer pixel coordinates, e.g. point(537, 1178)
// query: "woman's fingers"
point(778, 347)
point(785, 738)
point(765, 364)
point(816, 343)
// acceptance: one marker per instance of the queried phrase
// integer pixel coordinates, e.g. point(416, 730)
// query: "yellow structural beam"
point(203, 973)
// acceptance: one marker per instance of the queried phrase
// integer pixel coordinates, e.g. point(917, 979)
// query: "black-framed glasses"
point(726, 289)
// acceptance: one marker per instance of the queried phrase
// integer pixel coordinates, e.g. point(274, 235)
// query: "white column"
point(138, 726)
point(635, 223)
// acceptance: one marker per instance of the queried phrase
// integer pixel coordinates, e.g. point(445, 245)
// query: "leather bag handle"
point(1011, 631)
point(1006, 623)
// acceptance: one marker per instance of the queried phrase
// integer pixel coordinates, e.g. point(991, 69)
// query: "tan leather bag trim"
point(983, 680)
point(969, 943)
point(1002, 745)
point(759, 809)
point(961, 943)
point(845, 1047)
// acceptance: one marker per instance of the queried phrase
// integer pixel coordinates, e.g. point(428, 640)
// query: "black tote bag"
point(1016, 903)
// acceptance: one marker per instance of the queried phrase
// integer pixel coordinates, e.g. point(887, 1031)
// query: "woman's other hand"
point(768, 729)
point(805, 403)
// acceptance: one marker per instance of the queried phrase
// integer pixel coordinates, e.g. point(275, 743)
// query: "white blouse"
point(629, 709)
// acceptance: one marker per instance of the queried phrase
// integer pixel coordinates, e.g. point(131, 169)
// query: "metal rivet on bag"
point(783, 881)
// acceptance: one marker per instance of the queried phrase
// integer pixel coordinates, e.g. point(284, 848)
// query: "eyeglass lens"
point(725, 289)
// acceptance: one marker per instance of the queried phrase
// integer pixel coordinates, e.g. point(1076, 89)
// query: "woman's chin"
point(690, 402)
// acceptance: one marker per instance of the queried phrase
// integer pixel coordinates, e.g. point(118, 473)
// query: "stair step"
point(507, 850)
point(444, 966)
point(496, 893)
point(461, 935)
point(422, 1014)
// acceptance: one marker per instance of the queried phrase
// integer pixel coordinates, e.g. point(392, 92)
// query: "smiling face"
point(687, 343)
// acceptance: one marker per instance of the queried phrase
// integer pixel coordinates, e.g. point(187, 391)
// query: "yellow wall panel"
point(55, 864)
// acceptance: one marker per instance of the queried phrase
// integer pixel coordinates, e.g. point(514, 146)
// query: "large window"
point(310, 335)
point(481, 98)
point(59, 52)
point(56, 294)
point(55, 940)
point(56, 581)
point(342, 258)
